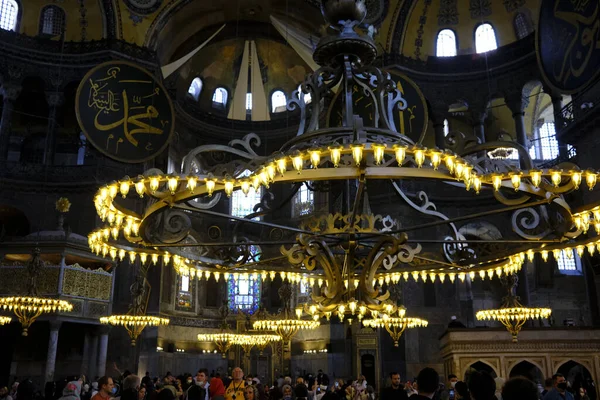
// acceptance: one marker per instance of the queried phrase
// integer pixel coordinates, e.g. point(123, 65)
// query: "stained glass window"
point(485, 38)
point(195, 88)
point(184, 293)
point(446, 43)
point(244, 293)
point(9, 10)
point(303, 202)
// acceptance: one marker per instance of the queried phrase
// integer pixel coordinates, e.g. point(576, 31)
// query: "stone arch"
point(572, 368)
point(480, 365)
point(529, 369)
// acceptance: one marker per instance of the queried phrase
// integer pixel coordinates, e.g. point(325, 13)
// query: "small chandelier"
point(395, 325)
point(29, 308)
point(513, 314)
point(134, 324)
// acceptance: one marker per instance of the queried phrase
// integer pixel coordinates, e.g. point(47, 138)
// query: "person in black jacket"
point(395, 391)
point(199, 390)
point(428, 383)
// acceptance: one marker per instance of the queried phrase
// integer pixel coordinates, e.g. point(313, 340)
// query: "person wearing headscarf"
point(72, 391)
point(216, 389)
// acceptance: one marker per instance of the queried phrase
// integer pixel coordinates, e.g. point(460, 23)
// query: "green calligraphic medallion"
point(411, 121)
point(125, 112)
point(568, 43)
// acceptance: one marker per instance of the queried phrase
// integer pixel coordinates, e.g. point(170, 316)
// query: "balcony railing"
point(586, 103)
point(90, 291)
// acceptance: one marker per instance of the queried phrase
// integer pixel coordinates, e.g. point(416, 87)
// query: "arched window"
point(485, 38)
point(522, 26)
point(446, 127)
point(446, 43)
point(307, 96)
point(278, 101)
point(184, 293)
point(220, 97)
point(196, 88)
point(52, 21)
point(303, 202)
point(9, 11)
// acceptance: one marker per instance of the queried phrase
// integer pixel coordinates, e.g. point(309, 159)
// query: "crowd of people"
point(237, 386)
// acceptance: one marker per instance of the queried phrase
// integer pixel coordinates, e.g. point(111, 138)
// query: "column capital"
point(516, 102)
point(55, 324)
point(10, 91)
point(55, 99)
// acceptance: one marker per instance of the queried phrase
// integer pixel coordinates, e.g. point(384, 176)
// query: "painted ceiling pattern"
point(448, 13)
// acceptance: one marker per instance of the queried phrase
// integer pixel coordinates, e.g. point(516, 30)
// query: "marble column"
point(10, 93)
point(52, 349)
point(438, 116)
point(102, 350)
point(478, 117)
point(85, 359)
point(517, 105)
point(93, 357)
point(55, 100)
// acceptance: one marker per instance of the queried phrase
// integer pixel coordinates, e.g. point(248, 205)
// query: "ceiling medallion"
point(352, 253)
point(143, 7)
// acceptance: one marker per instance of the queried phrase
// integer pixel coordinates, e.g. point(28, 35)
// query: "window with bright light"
point(446, 127)
point(522, 26)
point(278, 101)
point(307, 96)
point(244, 293)
point(303, 202)
point(485, 38)
point(9, 10)
point(248, 101)
point(52, 21)
point(546, 145)
point(184, 293)
point(569, 263)
point(446, 43)
point(220, 97)
point(196, 88)
point(241, 204)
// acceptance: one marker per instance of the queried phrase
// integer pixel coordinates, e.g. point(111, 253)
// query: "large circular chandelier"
point(513, 315)
point(134, 324)
point(350, 255)
point(396, 325)
point(29, 308)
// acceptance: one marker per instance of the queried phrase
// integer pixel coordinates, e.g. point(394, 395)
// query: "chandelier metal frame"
point(396, 325)
point(134, 324)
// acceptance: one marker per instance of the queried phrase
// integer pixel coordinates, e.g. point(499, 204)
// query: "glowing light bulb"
point(154, 183)
point(210, 186)
point(271, 170)
point(315, 158)
point(530, 255)
point(576, 178)
point(400, 153)
point(555, 176)
point(245, 185)
point(476, 180)
point(544, 254)
point(172, 184)
point(419, 155)
point(450, 162)
point(459, 167)
point(112, 191)
point(297, 162)
point(515, 178)
point(281, 166)
point(436, 158)
point(335, 155)
point(535, 177)
point(590, 179)
point(124, 188)
point(496, 181)
point(192, 182)
point(357, 152)
point(140, 187)
point(228, 187)
point(378, 152)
